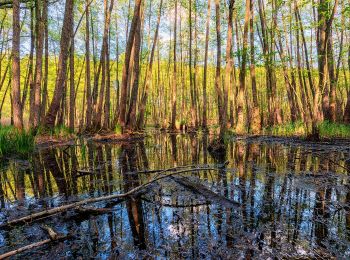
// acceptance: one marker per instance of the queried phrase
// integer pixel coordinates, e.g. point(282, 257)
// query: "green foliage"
point(328, 129)
point(289, 129)
point(13, 141)
point(59, 131)
point(118, 129)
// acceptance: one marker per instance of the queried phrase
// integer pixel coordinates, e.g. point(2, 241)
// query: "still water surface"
point(293, 199)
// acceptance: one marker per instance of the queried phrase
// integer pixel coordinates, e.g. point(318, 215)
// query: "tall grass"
point(326, 130)
point(15, 142)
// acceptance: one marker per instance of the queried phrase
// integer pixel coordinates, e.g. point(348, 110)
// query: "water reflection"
point(294, 199)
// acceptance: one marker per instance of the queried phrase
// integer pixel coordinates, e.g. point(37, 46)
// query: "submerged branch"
point(53, 237)
point(53, 211)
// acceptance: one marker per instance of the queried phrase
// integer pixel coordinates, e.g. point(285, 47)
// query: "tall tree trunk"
point(98, 100)
point(88, 68)
point(332, 81)
point(174, 87)
point(219, 92)
point(125, 75)
point(205, 72)
point(346, 117)
point(148, 79)
point(51, 115)
point(16, 72)
point(255, 122)
point(71, 84)
point(192, 89)
point(131, 116)
point(241, 120)
point(35, 110)
point(46, 63)
point(325, 20)
point(229, 61)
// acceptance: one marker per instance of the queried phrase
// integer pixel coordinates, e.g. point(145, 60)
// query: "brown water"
point(294, 200)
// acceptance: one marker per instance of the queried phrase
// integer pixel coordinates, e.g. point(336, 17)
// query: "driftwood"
point(205, 192)
point(53, 211)
point(53, 237)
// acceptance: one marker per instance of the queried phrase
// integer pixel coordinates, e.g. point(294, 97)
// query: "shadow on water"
point(294, 200)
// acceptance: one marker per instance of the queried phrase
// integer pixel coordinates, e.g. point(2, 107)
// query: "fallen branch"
point(205, 192)
point(66, 207)
point(53, 237)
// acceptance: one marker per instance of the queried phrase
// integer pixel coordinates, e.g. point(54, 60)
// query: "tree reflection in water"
point(294, 199)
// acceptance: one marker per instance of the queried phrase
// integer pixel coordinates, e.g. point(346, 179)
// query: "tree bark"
point(125, 75)
point(205, 72)
point(16, 71)
point(51, 115)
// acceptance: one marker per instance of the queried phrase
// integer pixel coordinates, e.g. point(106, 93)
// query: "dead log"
point(63, 208)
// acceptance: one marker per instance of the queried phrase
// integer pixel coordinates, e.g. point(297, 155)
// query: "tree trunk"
point(71, 84)
point(88, 68)
point(131, 116)
point(241, 120)
point(125, 75)
point(255, 122)
point(229, 61)
point(35, 110)
point(51, 115)
point(204, 122)
point(174, 87)
point(16, 72)
point(148, 79)
point(46, 63)
point(219, 92)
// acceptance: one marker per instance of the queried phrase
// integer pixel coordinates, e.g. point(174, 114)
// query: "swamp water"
point(289, 200)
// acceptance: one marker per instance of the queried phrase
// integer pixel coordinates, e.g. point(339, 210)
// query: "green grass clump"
point(118, 129)
point(59, 131)
point(328, 129)
point(14, 141)
point(289, 129)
